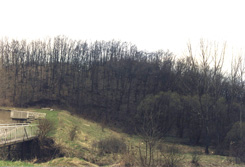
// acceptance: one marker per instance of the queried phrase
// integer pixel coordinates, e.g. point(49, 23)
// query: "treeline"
point(154, 94)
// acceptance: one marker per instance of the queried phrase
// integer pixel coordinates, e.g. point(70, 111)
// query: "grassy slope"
point(16, 163)
point(89, 132)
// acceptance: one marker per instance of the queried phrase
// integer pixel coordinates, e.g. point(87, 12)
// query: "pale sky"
point(150, 24)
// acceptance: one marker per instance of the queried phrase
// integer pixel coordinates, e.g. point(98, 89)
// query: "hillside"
point(114, 83)
point(83, 151)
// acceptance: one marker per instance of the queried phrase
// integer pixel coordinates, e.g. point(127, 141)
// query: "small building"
point(5, 117)
point(16, 116)
point(26, 116)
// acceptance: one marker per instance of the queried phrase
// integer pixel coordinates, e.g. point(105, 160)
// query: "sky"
point(149, 24)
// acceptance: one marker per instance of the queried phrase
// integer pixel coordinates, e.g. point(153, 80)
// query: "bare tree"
point(210, 69)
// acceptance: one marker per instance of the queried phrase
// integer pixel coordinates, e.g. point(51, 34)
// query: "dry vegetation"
point(79, 140)
point(84, 150)
point(152, 94)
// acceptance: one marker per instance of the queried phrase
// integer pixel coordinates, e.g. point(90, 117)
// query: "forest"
point(154, 94)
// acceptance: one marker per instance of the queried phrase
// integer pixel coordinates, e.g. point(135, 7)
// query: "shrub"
point(112, 145)
point(234, 134)
point(45, 127)
point(237, 150)
point(73, 132)
point(195, 158)
point(236, 142)
point(130, 159)
point(173, 157)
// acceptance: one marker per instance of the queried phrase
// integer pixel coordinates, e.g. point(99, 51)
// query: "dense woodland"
point(154, 94)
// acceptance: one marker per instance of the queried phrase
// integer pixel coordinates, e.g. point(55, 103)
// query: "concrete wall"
point(5, 117)
point(23, 115)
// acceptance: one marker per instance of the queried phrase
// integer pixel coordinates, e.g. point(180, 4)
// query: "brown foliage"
point(45, 127)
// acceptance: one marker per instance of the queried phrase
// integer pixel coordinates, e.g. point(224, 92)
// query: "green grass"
point(15, 163)
point(68, 162)
point(89, 132)
point(51, 116)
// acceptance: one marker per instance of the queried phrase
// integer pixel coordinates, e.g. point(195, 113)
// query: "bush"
point(73, 132)
point(130, 159)
point(234, 134)
point(237, 150)
point(173, 157)
point(112, 145)
point(195, 158)
point(235, 143)
point(45, 127)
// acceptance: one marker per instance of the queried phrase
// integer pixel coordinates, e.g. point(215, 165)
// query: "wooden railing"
point(17, 132)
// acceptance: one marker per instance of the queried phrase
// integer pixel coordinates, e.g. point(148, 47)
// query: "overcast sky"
point(150, 24)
